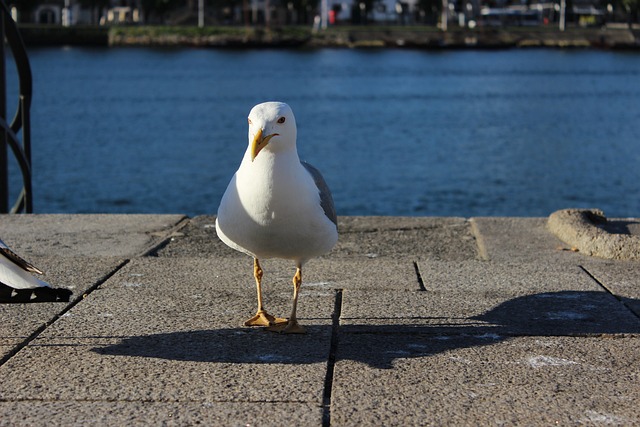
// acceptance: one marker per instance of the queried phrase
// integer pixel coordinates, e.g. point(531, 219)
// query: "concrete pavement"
point(411, 321)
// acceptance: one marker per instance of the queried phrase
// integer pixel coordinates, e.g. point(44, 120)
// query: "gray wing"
point(326, 201)
point(16, 259)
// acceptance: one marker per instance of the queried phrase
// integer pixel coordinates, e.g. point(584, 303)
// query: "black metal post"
point(9, 132)
point(4, 166)
point(26, 145)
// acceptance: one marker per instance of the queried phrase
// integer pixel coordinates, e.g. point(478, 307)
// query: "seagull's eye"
point(281, 120)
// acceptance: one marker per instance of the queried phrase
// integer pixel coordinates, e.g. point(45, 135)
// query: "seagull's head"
point(272, 126)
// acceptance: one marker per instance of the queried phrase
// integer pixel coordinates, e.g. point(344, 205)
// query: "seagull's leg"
point(292, 326)
point(262, 318)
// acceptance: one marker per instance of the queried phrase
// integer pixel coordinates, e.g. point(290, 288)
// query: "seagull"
point(276, 206)
point(17, 284)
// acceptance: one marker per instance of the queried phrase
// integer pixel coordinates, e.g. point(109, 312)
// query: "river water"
point(395, 132)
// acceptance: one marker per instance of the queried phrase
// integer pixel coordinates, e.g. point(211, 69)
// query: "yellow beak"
point(259, 142)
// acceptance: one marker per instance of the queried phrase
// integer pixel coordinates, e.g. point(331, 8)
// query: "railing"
point(21, 120)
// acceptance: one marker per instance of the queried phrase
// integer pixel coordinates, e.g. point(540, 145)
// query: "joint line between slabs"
point(607, 290)
point(331, 361)
point(481, 246)
point(419, 277)
point(156, 247)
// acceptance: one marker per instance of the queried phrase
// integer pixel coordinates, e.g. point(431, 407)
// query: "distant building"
point(383, 11)
point(120, 15)
point(72, 12)
point(587, 14)
point(47, 13)
point(276, 12)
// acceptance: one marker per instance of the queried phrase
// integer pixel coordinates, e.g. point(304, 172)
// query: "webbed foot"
point(262, 318)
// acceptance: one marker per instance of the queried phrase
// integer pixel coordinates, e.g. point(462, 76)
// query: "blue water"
point(395, 132)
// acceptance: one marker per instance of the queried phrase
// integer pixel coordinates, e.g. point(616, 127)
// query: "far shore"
point(374, 36)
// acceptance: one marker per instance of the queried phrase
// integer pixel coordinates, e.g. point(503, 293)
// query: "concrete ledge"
point(589, 231)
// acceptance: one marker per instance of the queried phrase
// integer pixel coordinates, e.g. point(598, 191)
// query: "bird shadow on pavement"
point(567, 313)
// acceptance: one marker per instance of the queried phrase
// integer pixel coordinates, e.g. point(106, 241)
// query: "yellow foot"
point(262, 318)
point(290, 327)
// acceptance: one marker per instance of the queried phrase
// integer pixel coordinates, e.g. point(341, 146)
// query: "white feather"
point(15, 275)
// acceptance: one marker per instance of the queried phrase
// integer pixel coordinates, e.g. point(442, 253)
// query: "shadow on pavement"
point(570, 313)
point(622, 226)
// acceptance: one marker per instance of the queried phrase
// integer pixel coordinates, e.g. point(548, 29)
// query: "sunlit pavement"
point(411, 321)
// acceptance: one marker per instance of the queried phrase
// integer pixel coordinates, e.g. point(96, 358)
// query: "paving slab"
point(406, 237)
point(189, 367)
point(79, 274)
point(515, 239)
point(85, 235)
point(198, 238)
point(366, 270)
point(363, 237)
point(509, 277)
point(622, 279)
point(233, 414)
point(362, 273)
point(427, 380)
point(203, 293)
point(526, 297)
point(486, 313)
point(162, 329)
